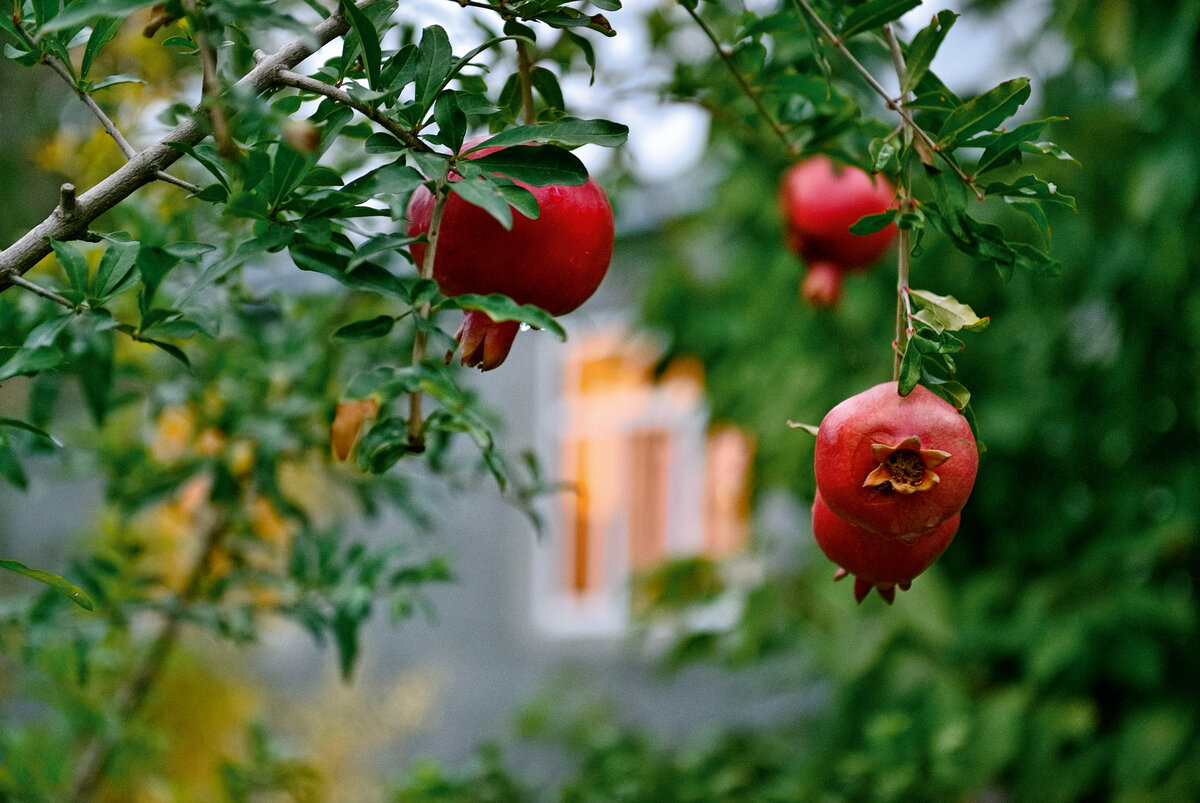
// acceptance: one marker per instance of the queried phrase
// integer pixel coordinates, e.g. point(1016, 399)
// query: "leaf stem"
point(20, 281)
point(748, 90)
point(895, 104)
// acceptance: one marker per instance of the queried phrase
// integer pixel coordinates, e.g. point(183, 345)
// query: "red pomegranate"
point(820, 202)
point(555, 261)
point(876, 562)
point(895, 465)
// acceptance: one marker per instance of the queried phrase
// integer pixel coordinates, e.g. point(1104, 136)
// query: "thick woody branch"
point(145, 166)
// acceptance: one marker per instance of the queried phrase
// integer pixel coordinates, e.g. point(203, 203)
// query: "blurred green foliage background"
point(1051, 653)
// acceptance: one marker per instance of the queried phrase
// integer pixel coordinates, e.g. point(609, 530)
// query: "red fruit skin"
point(820, 202)
point(555, 261)
point(843, 459)
point(882, 563)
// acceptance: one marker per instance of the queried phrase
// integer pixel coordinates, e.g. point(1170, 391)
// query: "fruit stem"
point(416, 421)
point(903, 239)
point(525, 73)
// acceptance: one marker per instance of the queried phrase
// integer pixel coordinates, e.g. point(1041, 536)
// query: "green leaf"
point(73, 262)
point(115, 266)
point(569, 132)
point(104, 31)
point(68, 590)
point(874, 13)
point(870, 224)
point(520, 199)
point(1031, 188)
point(1000, 149)
point(369, 329)
point(84, 13)
point(16, 423)
point(924, 47)
point(502, 308)
point(948, 313)
point(451, 120)
point(482, 192)
point(984, 113)
point(910, 369)
point(540, 166)
point(545, 83)
point(381, 143)
point(208, 161)
point(435, 61)
point(368, 38)
point(10, 466)
point(31, 361)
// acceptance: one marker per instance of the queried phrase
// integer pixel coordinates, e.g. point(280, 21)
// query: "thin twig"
point(147, 164)
point(895, 104)
point(416, 419)
point(904, 238)
point(56, 64)
point(747, 89)
point(339, 95)
point(22, 282)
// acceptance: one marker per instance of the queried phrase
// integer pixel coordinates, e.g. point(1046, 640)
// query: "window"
point(649, 479)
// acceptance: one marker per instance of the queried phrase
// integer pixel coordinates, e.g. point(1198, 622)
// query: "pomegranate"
point(820, 202)
point(555, 261)
point(876, 562)
point(895, 465)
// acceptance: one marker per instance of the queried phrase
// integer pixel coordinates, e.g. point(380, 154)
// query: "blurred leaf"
point(379, 326)
point(569, 132)
point(873, 14)
point(84, 13)
point(68, 590)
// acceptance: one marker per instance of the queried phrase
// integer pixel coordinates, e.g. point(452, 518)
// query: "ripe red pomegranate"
point(555, 261)
point(895, 465)
point(820, 202)
point(876, 562)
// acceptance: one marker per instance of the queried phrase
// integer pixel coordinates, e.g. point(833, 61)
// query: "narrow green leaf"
point(379, 326)
point(1030, 188)
point(924, 47)
point(910, 369)
point(540, 166)
point(31, 361)
point(520, 199)
point(481, 191)
point(73, 262)
point(16, 423)
point(569, 132)
point(984, 112)
point(545, 83)
point(870, 224)
point(68, 590)
point(103, 32)
point(451, 120)
point(502, 308)
point(115, 265)
point(435, 60)
point(10, 466)
point(874, 14)
point(84, 13)
point(368, 38)
point(811, 429)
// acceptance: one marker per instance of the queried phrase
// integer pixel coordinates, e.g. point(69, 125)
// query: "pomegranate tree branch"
point(904, 237)
point(416, 419)
point(924, 140)
point(525, 71)
point(286, 77)
point(144, 167)
point(131, 695)
point(748, 90)
point(56, 64)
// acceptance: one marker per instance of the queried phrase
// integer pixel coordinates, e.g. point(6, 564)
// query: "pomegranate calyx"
point(904, 468)
point(485, 343)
